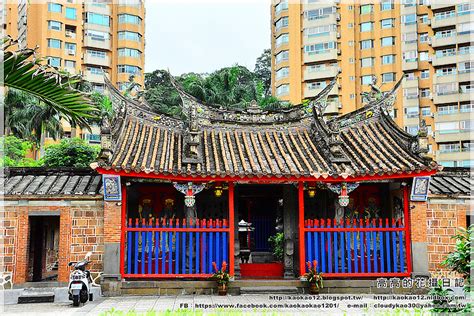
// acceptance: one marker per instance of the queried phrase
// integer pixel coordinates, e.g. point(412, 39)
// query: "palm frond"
point(23, 71)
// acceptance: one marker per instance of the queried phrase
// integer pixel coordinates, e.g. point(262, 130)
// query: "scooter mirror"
point(88, 255)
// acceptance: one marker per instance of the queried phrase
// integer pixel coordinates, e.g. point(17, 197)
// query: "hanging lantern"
point(311, 191)
point(343, 196)
point(218, 191)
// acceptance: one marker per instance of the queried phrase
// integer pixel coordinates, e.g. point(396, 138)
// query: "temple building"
point(180, 194)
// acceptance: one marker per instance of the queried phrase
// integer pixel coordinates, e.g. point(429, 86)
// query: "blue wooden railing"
point(173, 248)
point(357, 248)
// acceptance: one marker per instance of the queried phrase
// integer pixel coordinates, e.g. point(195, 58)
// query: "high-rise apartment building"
point(427, 42)
point(84, 36)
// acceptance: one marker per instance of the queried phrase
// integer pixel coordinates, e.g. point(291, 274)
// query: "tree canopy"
point(230, 87)
point(73, 152)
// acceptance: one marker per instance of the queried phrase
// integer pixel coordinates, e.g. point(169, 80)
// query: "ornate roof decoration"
point(291, 143)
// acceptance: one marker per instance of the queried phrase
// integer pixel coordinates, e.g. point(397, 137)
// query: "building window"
point(410, 76)
point(55, 7)
point(282, 89)
point(99, 19)
point(366, 80)
point(464, 8)
point(412, 112)
point(350, 25)
point(445, 71)
point(424, 37)
point(70, 48)
point(387, 23)
point(424, 19)
point(320, 30)
point(388, 59)
point(446, 88)
point(365, 44)
point(54, 62)
point(97, 35)
point(426, 111)
point(465, 67)
point(96, 54)
point(467, 108)
point(95, 70)
point(449, 147)
point(466, 50)
point(410, 56)
point(425, 92)
point(129, 36)
point(282, 39)
point(445, 33)
point(283, 22)
point(320, 48)
point(446, 52)
point(367, 62)
point(425, 74)
point(410, 38)
point(351, 60)
point(55, 25)
point(352, 96)
point(129, 52)
point(281, 56)
point(71, 13)
point(129, 18)
point(317, 85)
point(412, 129)
point(282, 73)
point(366, 9)
point(387, 41)
point(319, 13)
point(409, 19)
point(366, 26)
point(54, 43)
point(410, 93)
point(69, 64)
point(409, 3)
point(351, 78)
point(447, 109)
point(128, 69)
point(444, 15)
point(388, 77)
point(283, 5)
point(424, 56)
point(386, 5)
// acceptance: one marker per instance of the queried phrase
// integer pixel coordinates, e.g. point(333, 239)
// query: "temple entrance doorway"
point(260, 217)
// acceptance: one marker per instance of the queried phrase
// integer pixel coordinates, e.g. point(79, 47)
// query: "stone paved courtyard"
point(227, 305)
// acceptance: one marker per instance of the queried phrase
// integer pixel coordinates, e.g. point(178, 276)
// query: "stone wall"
point(443, 219)
point(81, 223)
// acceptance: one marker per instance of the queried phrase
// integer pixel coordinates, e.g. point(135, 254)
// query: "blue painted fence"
point(175, 247)
point(357, 247)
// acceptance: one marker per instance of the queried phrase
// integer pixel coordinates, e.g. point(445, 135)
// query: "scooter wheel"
point(75, 300)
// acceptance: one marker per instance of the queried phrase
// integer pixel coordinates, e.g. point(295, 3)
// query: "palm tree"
point(24, 71)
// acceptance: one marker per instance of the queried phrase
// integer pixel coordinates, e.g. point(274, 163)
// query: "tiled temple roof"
point(452, 182)
point(213, 142)
point(51, 181)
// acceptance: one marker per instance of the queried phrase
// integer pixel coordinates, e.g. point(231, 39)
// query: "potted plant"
point(314, 278)
point(221, 277)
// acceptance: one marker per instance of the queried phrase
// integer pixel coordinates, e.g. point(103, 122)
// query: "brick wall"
point(443, 220)
point(418, 221)
point(81, 229)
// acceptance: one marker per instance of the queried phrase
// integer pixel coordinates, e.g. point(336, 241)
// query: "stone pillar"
point(290, 229)
point(419, 240)
point(112, 233)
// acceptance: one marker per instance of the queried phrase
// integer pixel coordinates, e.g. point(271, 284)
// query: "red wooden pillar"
point(301, 227)
point(406, 212)
point(231, 228)
point(122, 236)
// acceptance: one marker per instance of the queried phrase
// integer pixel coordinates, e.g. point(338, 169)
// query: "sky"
point(205, 35)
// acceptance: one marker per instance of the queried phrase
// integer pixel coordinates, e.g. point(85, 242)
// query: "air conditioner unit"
point(338, 35)
point(338, 16)
point(339, 51)
point(71, 52)
point(339, 105)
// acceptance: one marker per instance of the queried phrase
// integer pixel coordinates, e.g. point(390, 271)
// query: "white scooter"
point(80, 282)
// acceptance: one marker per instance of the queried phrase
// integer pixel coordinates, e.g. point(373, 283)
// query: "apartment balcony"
point(327, 20)
point(309, 93)
point(444, 60)
point(408, 46)
point(329, 37)
point(281, 30)
point(444, 79)
point(410, 83)
point(455, 116)
point(96, 27)
point(409, 28)
point(407, 10)
point(409, 64)
point(101, 9)
point(411, 102)
point(91, 60)
point(465, 76)
point(410, 121)
point(435, 5)
point(452, 136)
point(465, 96)
point(453, 155)
point(327, 72)
point(445, 98)
point(93, 77)
point(89, 42)
point(443, 41)
point(444, 22)
point(463, 38)
point(330, 54)
point(332, 107)
point(70, 70)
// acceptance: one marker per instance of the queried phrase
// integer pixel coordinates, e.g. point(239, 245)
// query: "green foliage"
point(73, 152)
point(263, 71)
point(277, 243)
point(23, 71)
point(13, 151)
point(104, 106)
point(313, 276)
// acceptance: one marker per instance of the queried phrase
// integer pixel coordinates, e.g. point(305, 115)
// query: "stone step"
point(269, 290)
point(36, 295)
